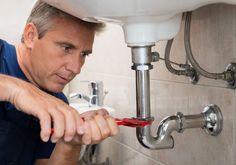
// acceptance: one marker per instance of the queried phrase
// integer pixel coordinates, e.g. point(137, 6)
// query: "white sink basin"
point(83, 107)
point(144, 21)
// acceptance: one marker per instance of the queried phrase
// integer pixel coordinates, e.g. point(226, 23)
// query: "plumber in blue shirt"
point(52, 51)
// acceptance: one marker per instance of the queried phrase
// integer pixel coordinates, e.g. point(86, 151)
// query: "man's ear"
point(30, 35)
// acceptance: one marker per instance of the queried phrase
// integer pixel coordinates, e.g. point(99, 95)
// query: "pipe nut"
point(181, 119)
point(142, 67)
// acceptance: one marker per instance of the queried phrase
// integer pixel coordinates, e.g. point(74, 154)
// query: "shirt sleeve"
point(44, 150)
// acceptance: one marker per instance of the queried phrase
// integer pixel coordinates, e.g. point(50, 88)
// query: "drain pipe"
point(210, 119)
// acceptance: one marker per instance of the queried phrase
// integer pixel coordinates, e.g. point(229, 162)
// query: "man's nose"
point(75, 65)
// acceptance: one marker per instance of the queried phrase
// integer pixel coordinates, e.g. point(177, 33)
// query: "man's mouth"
point(62, 79)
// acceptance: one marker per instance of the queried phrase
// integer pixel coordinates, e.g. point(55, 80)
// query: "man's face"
point(58, 56)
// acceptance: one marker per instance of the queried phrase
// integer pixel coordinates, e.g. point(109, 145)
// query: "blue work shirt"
point(10, 66)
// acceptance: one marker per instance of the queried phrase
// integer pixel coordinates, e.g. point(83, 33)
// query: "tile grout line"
point(168, 81)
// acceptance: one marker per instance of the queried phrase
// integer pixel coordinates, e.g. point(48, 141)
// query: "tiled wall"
point(12, 23)
point(213, 37)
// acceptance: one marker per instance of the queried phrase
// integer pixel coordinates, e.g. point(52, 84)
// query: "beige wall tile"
point(201, 96)
point(120, 154)
point(110, 53)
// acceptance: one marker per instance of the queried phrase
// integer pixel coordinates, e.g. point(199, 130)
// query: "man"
point(53, 50)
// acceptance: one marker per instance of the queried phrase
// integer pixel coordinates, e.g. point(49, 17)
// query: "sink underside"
point(144, 21)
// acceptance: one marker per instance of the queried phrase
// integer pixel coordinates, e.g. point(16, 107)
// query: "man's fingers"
point(97, 126)
point(67, 122)
point(70, 124)
point(79, 122)
point(45, 124)
point(87, 137)
point(58, 125)
point(103, 126)
point(113, 126)
point(88, 115)
point(102, 112)
point(95, 131)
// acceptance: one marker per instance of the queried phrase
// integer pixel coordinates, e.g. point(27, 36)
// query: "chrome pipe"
point(210, 119)
point(163, 139)
point(193, 121)
point(143, 94)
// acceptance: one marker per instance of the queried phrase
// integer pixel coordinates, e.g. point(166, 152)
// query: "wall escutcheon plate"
point(214, 119)
point(231, 67)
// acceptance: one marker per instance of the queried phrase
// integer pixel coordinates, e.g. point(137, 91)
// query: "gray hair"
point(42, 16)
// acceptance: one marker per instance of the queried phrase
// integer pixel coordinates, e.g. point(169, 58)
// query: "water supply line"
point(188, 70)
point(229, 75)
point(168, 64)
point(210, 119)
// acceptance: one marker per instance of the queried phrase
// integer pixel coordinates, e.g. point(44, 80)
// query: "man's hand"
point(48, 109)
point(98, 125)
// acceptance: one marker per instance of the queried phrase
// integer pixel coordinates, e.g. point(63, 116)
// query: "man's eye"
point(84, 54)
point(66, 48)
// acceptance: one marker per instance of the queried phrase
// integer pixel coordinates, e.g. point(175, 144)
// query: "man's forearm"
point(65, 153)
point(6, 86)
